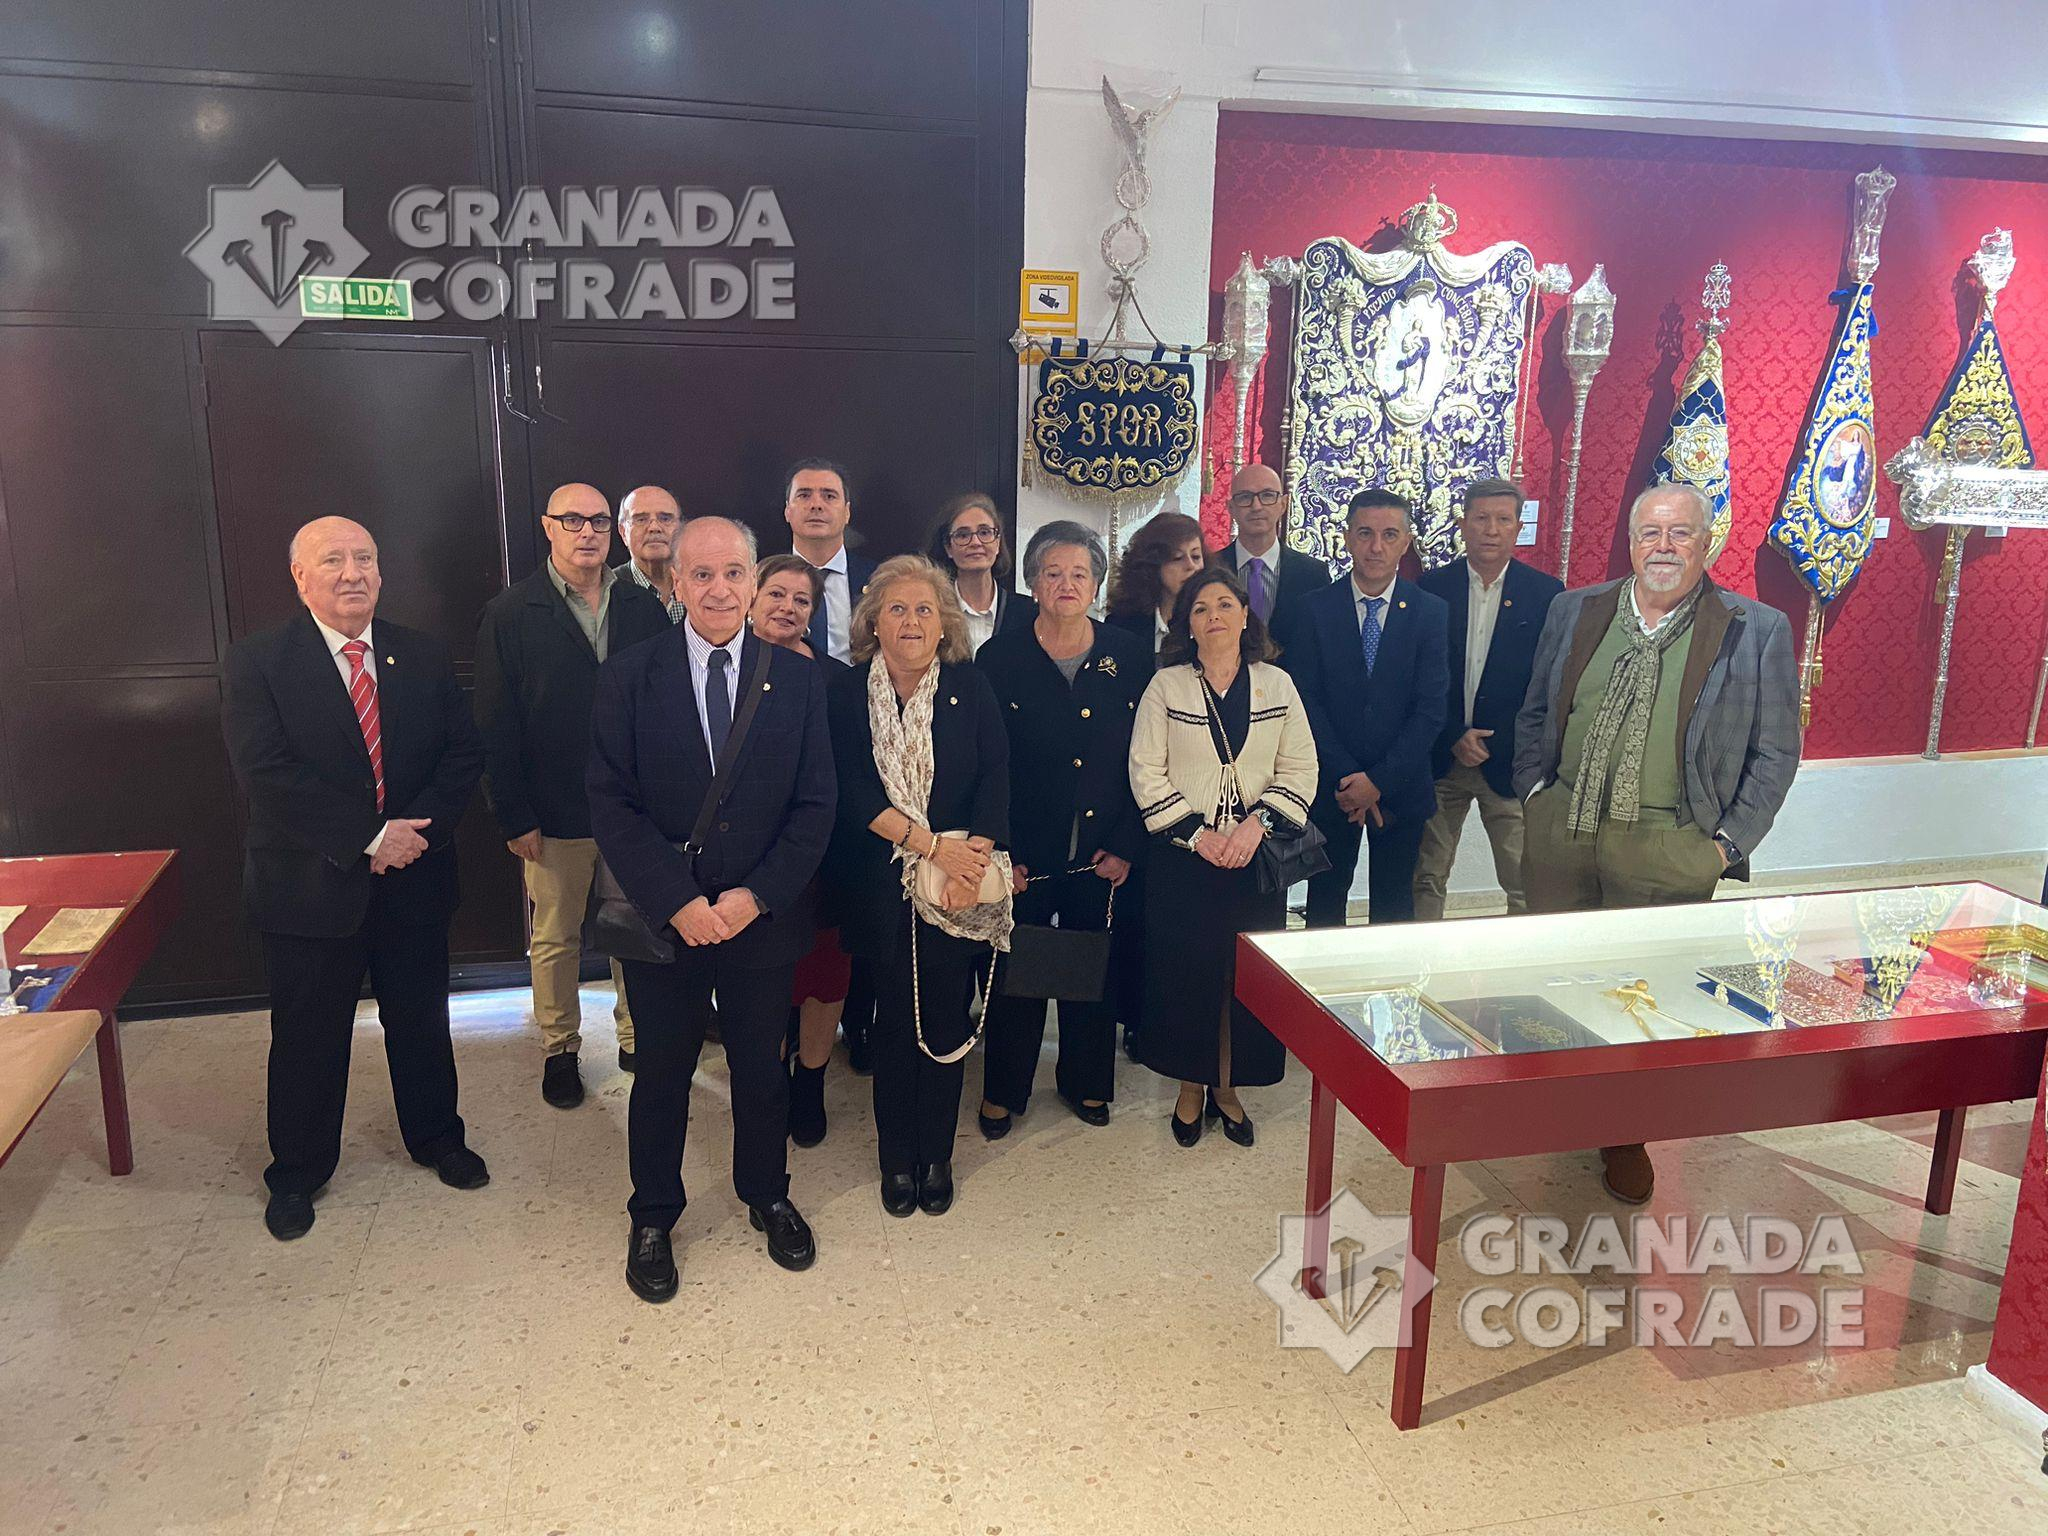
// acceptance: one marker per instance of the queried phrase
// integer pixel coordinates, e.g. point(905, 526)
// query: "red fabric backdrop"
point(1658, 211)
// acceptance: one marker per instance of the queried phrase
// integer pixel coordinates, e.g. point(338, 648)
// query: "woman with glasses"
point(788, 589)
point(967, 544)
point(1160, 556)
point(1069, 691)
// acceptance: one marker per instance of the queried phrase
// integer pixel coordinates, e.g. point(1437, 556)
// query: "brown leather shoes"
point(1627, 1173)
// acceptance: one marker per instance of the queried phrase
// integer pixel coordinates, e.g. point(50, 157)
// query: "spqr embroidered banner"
point(1114, 424)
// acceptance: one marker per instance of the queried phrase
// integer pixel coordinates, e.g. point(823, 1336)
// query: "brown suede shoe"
point(1627, 1173)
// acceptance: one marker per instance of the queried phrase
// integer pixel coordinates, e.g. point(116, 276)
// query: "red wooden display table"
point(142, 886)
point(1624, 1089)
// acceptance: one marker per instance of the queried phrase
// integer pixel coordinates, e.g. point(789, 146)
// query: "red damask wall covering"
point(1658, 211)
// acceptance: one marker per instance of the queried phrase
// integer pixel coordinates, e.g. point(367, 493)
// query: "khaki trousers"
point(558, 884)
point(1643, 865)
point(1501, 815)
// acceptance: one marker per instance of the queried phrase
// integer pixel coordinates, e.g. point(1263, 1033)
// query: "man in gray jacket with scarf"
point(1658, 739)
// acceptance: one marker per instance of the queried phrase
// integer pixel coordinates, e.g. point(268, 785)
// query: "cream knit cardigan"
point(1174, 770)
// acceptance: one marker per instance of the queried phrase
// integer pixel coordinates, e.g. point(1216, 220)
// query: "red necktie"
point(362, 692)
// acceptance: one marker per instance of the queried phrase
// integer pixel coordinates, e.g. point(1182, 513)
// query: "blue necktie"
point(717, 704)
point(1369, 632)
point(819, 634)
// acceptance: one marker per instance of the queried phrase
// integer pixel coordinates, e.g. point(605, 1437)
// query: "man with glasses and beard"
point(537, 654)
point(1658, 740)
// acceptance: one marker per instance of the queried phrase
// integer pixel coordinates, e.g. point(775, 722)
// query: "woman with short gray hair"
point(1068, 689)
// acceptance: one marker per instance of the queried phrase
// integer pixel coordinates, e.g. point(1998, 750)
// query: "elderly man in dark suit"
point(1369, 658)
point(1276, 579)
point(1658, 740)
point(669, 716)
point(1497, 606)
point(355, 746)
point(537, 654)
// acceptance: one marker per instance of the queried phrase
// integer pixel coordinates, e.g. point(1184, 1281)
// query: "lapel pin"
point(390, 661)
point(1402, 604)
point(1507, 602)
point(952, 699)
point(767, 687)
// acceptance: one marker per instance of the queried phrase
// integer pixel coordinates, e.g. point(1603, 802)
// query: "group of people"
point(812, 794)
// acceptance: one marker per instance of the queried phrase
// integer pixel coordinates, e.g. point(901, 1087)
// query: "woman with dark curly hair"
point(967, 544)
point(1158, 560)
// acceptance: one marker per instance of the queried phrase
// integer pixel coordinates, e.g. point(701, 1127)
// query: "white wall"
point(1965, 74)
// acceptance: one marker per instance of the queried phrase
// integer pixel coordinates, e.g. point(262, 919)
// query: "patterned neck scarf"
point(1624, 716)
point(903, 758)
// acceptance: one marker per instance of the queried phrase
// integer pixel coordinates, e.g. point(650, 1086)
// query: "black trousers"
point(1016, 1025)
point(314, 985)
point(671, 1007)
point(1389, 878)
point(917, 1100)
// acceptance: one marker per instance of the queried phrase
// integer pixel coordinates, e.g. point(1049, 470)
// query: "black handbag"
point(1067, 965)
point(612, 925)
point(1283, 859)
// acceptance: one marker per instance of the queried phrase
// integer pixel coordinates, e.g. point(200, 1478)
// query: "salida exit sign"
point(355, 298)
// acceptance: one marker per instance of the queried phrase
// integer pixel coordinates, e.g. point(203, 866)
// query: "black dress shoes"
point(651, 1265)
point(462, 1169)
point(288, 1216)
point(935, 1188)
point(1087, 1114)
point(625, 1061)
point(899, 1194)
point(860, 1055)
point(994, 1128)
point(806, 1104)
point(1186, 1132)
point(560, 1083)
point(789, 1236)
point(1239, 1130)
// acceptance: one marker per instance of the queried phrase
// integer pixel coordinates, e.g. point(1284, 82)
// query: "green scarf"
point(1625, 716)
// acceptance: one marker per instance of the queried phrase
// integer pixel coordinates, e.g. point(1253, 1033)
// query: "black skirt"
point(1193, 915)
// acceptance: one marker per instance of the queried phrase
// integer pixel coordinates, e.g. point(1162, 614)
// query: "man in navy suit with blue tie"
point(1497, 607)
point(1369, 656)
point(737, 906)
point(817, 505)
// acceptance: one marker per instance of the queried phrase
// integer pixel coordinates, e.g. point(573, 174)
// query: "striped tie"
point(362, 692)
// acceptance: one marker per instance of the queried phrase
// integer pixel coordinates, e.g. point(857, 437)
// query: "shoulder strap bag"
point(1284, 858)
point(612, 925)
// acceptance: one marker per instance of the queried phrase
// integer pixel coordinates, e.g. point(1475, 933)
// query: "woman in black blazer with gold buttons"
point(1069, 688)
point(909, 647)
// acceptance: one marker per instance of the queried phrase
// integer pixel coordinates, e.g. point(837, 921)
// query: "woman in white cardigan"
point(1221, 759)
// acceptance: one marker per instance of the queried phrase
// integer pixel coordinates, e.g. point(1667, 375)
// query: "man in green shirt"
point(1658, 739)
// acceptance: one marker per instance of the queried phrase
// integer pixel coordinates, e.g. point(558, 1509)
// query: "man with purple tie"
point(1275, 577)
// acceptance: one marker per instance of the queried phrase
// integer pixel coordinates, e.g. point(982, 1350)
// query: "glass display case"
point(1505, 1037)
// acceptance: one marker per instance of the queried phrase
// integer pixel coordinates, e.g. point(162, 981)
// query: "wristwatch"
point(1728, 847)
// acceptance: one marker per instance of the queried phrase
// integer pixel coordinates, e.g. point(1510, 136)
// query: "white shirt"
point(1482, 611)
point(335, 641)
point(1385, 597)
point(838, 607)
point(980, 626)
point(700, 677)
point(1648, 627)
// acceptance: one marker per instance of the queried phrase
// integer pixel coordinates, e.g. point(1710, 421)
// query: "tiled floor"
point(1078, 1346)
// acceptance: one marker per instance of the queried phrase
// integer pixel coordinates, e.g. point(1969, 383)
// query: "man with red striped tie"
point(356, 749)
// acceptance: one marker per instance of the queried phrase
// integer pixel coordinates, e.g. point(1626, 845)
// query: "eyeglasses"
point(1244, 499)
point(575, 521)
point(965, 536)
point(1683, 536)
point(658, 519)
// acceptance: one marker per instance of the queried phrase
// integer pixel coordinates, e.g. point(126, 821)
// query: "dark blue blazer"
point(650, 770)
point(1524, 604)
point(1384, 725)
point(299, 756)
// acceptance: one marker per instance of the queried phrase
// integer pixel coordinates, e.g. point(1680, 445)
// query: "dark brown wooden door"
point(396, 433)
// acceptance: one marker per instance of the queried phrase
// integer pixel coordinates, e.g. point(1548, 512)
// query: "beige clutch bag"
point(931, 880)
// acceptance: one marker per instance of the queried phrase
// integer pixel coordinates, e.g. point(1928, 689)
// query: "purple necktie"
point(1262, 598)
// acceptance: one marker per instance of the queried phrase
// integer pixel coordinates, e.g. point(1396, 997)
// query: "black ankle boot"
point(806, 1104)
